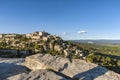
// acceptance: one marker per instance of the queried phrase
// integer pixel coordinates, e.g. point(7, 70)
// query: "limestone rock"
point(75, 69)
point(17, 77)
point(38, 75)
point(12, 67)
point(44, 75)
point(47, 67)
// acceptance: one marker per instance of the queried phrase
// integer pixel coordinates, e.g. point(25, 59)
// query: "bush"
point(101, 60)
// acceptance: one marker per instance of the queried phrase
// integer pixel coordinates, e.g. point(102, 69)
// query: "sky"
point(70, 19)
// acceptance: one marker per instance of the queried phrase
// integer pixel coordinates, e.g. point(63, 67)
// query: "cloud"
point(81, 32)
point(64, 33)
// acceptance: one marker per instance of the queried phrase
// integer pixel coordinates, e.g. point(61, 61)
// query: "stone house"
point(28, 35)
point(58, 48)
point(45, 38)
point(43, 33)
point(35, 37)
point(9, 35)
point(1, 35)
point(35, 33)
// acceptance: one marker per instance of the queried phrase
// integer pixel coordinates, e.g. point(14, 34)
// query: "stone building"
point(28, 35)
point(9, 35)
point(43, 33)
point(35, 37)
point(1, 35)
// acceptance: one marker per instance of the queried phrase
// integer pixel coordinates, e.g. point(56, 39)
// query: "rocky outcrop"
point(68, 68)
point(12, 67)
point(47, 67)
point(38, 75)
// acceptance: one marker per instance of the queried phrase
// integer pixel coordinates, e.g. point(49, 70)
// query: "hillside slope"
point(22, 45)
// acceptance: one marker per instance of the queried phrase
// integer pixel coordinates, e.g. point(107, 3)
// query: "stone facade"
point(43, 33)
point(1, 35)
point(58, 48)
point(9, 35)
point(28, 35)
point(35, 37)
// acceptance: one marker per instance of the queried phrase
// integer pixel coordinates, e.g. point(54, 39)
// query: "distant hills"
point(102, 41)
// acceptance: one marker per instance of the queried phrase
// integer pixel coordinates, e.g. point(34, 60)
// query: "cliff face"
point(69, 69)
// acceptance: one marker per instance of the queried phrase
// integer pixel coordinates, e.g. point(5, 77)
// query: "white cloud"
point(64, 33)
point(81, 32)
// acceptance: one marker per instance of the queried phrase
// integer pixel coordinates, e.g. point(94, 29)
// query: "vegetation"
point(105, 55)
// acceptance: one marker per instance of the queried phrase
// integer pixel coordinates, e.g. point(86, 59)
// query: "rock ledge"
point(74, 69)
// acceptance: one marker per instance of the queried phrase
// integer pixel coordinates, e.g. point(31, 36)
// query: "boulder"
point(73, 68)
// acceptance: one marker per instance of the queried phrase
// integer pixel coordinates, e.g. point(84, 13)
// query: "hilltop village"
point(21, 45)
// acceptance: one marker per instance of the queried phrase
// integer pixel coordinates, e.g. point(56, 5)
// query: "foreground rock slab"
point(11, 67)
point(14, 69)
point(74, 69)
point(38, 75)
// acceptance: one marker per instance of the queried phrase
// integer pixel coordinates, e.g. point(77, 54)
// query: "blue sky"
point(71, 19)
